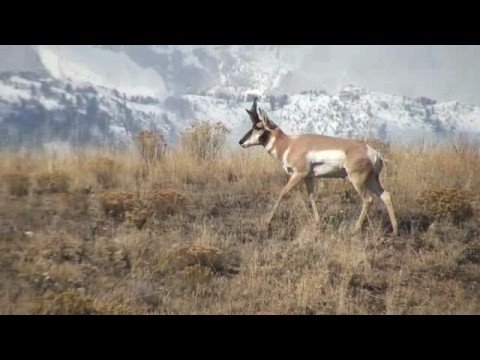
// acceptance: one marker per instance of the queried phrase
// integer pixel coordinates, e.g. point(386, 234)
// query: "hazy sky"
point(440, 72)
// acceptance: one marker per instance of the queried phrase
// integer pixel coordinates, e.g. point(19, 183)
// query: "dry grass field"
point(180, 231)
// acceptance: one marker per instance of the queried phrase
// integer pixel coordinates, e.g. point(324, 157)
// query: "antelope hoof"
point(267, 222)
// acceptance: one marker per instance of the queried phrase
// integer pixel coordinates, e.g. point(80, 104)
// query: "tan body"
point(306, 157)
point(320, 156)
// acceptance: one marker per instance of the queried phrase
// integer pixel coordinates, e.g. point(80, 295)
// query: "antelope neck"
point(273, 142)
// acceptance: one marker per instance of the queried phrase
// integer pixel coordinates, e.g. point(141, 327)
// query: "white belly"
point(327, 163)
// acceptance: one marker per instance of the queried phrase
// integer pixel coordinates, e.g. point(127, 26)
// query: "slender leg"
point(387, 200)
point(295, 179)
point(360, 186)
point(376, 188)
point(310, 182)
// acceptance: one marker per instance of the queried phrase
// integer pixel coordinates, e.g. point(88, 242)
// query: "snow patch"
point(101, 67)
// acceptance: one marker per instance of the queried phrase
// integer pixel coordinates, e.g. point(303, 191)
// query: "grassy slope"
point(210, 253)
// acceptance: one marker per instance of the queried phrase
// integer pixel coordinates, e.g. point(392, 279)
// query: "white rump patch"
point(372, 154)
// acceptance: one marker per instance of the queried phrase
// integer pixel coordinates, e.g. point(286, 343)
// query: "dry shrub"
point(73, 302)
point(65, 303)
point(166, 202)
point(105, 170)
point(75, 202)
point(204, 140)
point(151, 145)
point(138, 216)
point(198, 254)
point(471, 254)
point(18, 183)
point(58, 248)
point(116, 203)
point(447, 203)
point(159, 204)
point(196, 274)
point(195, 259)
point(52, 182)
point(112, 307)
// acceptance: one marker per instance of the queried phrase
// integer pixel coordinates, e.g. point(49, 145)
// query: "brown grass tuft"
point(151, 145)
point(105, 170)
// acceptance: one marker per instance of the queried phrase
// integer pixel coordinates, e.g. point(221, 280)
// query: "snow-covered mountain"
point(162, 70)
point(103, 95)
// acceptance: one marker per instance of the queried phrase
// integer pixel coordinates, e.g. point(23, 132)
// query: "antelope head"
point(262, 126)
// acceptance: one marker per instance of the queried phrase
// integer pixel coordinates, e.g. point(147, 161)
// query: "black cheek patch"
point(263, 139)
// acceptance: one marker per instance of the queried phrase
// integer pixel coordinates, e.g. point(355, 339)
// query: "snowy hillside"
point(37, 109)
point(101, 67)
point(353, 112)
point(159, 70)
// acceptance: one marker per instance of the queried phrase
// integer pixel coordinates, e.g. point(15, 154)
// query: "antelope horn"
point(253, 112)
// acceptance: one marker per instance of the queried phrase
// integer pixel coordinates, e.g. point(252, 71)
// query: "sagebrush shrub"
point(116, 203)
point(18, 183)
point(447, 203)
point(65, 303)
point(53, 182)
point(166, 202)
point(197, 254)
point(204, 140)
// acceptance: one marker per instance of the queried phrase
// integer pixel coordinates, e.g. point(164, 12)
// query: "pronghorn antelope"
point(306, 157)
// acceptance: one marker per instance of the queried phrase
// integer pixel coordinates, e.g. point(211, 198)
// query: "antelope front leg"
point(295, 179)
